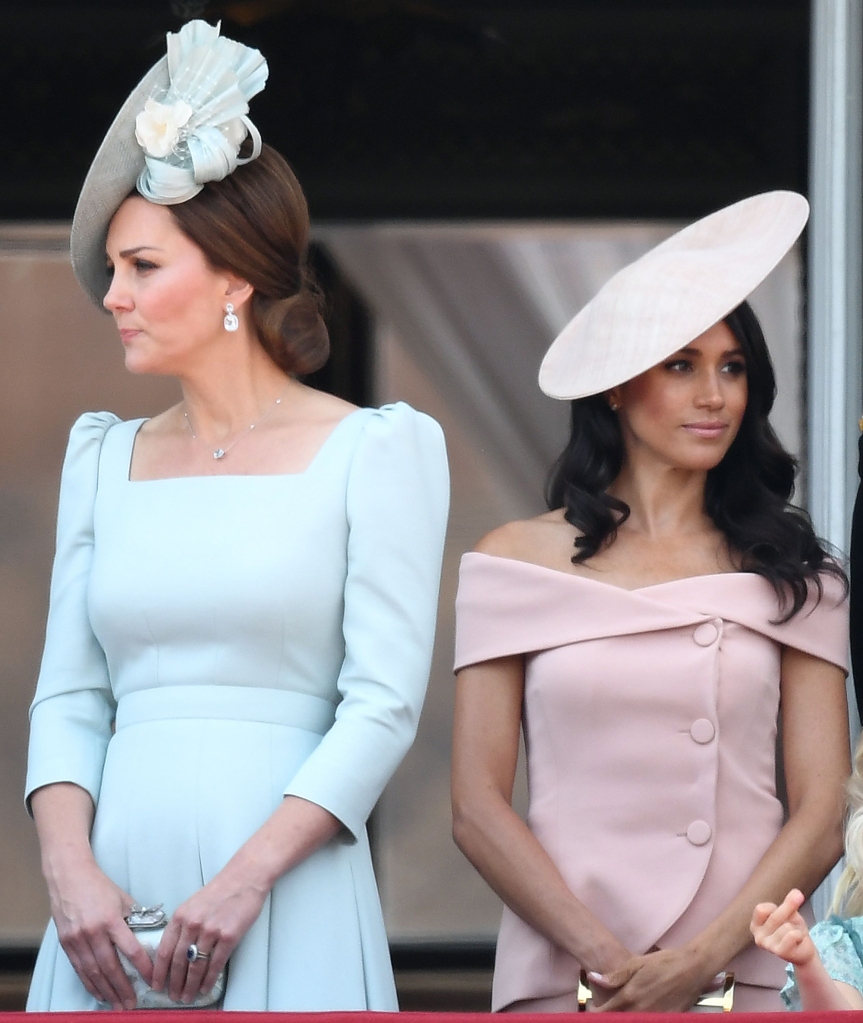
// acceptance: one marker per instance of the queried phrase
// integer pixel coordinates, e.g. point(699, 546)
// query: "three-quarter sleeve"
point(397, 505)
point(73, 710)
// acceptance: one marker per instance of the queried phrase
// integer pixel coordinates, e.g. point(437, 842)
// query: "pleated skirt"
point(191, 773)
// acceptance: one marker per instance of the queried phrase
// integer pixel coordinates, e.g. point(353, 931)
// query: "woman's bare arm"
point(218, 915)
point(489, 832)
point(87, 907)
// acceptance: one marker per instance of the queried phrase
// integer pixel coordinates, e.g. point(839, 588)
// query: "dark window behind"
point(440, 110)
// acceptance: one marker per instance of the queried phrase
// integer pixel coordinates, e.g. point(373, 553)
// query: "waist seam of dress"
point(220, 702)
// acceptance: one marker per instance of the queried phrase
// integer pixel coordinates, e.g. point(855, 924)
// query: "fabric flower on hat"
point(158, 126)
point(184, 124)
point(194, 133)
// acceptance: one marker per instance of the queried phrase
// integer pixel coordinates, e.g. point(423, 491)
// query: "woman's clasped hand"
point(212, 921)
point(669, 980)
point(87, 907)
point(90, 916)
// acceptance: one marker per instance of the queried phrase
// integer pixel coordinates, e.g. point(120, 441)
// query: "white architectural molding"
point(834, 330)
point(835, 336)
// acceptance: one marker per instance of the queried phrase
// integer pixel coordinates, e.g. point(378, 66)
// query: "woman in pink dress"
point(645, 634)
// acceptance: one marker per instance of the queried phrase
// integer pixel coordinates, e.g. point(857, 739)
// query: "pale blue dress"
point(839, 941)
point(216, 642)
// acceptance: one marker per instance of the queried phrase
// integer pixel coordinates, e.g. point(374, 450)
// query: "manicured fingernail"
point(595, 976)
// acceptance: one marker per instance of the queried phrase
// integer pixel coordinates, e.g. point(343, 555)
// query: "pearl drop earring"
point(231, 321)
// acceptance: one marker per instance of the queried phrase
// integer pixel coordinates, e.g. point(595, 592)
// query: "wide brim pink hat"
point(672, 294)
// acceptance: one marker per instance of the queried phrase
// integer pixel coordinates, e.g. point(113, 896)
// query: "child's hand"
point(783, 931)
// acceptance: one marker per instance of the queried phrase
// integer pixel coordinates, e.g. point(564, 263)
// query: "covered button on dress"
point(650, 720)
point(215, 643)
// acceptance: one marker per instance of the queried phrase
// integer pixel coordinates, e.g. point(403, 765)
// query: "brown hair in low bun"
point(255, 223)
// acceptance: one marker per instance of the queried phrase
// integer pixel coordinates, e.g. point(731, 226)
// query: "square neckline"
point(233, 476)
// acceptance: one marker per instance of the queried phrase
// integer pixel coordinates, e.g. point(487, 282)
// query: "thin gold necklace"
point(219, 453)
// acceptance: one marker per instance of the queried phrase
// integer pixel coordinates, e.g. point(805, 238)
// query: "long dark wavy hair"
point(747, 495)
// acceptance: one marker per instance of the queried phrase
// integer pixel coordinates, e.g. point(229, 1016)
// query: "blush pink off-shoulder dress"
point(650, 722)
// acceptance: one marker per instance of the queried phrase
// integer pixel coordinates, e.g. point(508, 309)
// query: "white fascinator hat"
point(672, 294)
point(183, 125)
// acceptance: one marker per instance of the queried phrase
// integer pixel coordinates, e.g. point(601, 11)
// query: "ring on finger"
point(193, 954)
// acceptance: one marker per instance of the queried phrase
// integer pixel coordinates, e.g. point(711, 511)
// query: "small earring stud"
point(231, 321)
point(613, 406)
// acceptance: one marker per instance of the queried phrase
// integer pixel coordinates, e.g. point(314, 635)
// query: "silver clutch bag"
point(148, 925)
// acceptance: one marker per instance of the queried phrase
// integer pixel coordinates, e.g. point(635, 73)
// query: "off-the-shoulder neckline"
point(613, 586)
point(237, 476)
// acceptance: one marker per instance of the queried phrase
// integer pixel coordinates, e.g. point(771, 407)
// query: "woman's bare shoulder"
point(538, 540)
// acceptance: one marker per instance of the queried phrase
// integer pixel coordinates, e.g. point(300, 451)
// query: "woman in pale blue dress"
point(244, 592)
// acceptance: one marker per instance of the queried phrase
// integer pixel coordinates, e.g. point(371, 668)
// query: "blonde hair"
point(848, 900)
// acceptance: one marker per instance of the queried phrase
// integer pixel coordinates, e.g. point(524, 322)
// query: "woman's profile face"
point(686, 411)
point(167, 301)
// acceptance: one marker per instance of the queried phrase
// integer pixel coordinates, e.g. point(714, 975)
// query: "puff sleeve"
point(72, 713)
point(397, 505)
